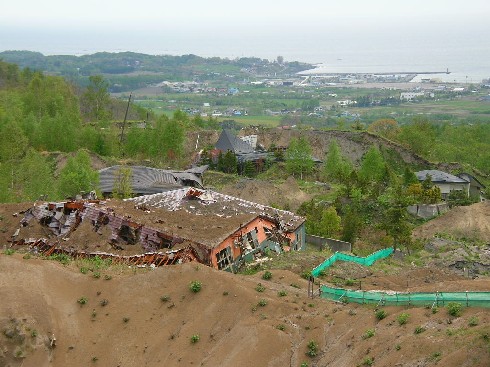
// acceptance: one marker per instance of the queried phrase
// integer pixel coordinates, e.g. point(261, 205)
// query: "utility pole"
point(124, 122)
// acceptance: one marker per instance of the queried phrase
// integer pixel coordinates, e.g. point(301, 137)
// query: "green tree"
point(298, 157)
point(96, 99)
point(123, 186)
point(77, 176)
point(395, 220)
point(330, 222)
point(352, 225)
point(337, 167)
point(373, 166)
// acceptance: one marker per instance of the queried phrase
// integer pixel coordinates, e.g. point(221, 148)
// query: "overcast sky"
point(161, 14)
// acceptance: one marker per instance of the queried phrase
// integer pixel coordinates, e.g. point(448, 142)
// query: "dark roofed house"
point(147, 180)
point(243, 151)
point(445, 181)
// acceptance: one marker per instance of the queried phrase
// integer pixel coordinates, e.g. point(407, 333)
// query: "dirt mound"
point(470, 222)
point(141, 317)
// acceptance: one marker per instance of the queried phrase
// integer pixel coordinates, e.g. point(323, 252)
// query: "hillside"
point(137, 328)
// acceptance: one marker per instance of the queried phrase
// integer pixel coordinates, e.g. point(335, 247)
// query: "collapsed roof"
point(439, 176)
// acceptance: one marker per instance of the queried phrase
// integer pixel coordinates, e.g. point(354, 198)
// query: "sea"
point(461, 49)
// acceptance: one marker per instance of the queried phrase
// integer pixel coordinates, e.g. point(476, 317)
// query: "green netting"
point(366, 261)
point(470, 299)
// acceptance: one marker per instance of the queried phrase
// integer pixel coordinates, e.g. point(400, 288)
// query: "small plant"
point(381, 314)
point(368, 361)
point(262, 303)
point(349, 282)
point(281, 327)
point(304, 364)
point(195, 286)
point(107, 277)
point(225, 293)
point(195, 338)
point(83, 270)
point(435, 357)
point(306, 274)
point(82, 300)
point(454, 308)
point(95, 359)
point(282, 293)
point(125, 319)
point(369, 333)
point(352, 312)
point(294, 285)
point(165, 298)
point(398, 347)
point(312, 348)
point(260, 288)
point(33, 333)
point(26, 256)
point(94, 314)
point(419, 330)
point(96, 275)
point(267, 275)
point(9, 251)
point(104, 302)
point(403, 318)
point(435, 309)
point(473, 321)
point(311, 305)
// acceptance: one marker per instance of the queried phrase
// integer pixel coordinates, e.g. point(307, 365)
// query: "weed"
point(311, 305)
point(34, 333)
point(419, 330)
point(104, 302)
point(434, 357)
point(165, 298)
point(96, 275)
point(403, 318)
point(398, 347)
point(381, 314)
point(94, 314)
point(349, 282)
point(95, 359)
point(26, 256)
point(312, 348)
point(260, 288)
point(304, 364)
point(107, 277)
point(367, 361)
point(195, 338)
point(473, 321)
point(225, 293)
point(195, 286)
point(262, 303)
point(82, 300)
point(125, 319)
point(83, 270)
point(306, 274)
point(267, 275)
point(62, 258)
point(282, 293)
point(9, 251)
point(369, 333)
point(281, 327)
point(454, 308)
point(435, 310)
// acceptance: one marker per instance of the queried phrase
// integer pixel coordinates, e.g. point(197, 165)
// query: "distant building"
point(445, 181)
point(408, 96)
point(476, 187)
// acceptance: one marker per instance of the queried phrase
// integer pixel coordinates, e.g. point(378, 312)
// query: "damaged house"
point(186, 224)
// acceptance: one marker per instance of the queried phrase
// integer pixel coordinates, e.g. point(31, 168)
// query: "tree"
point(396, 218)
point(336, 166)
point(330, 222)
point(280, 60)
point(77, 176)
point(352, 225)
point(298, 157)
point(123, 186)
point(387, 128)
point(96, 99)
point(373, 166)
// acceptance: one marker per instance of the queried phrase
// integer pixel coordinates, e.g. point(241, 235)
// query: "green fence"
point(470, 299)
point(366, 261)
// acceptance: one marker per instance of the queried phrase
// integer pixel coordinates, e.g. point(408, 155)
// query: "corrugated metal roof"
point(439, 176)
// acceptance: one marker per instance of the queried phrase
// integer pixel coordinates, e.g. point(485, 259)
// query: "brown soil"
point(233, 329)
point(471, 222)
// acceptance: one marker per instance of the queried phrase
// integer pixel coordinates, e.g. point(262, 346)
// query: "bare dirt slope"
point(472, 222)
point(136, 328)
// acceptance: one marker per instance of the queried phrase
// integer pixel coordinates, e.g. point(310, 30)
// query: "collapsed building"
point(186, 224)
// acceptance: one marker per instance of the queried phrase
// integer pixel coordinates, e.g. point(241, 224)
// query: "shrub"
point(454, 308)
point(281, 327)
point(104, 302)
point(349, 282)
point(125, 319)
point(9, 251)
point(107, 277)
point(381, 314)
point(96, 275)
point(312, 348)
point(398, 347)
point(304, 364)
point(473, 321)
point(262, 303)
point(195, 286)
point(282, 293)
point(368, 361)
point(306, 274)
point(419, 329)
point(195, 338)
point(82, 300)
point(260, 288)
point(368, 334)
point(403, 318)
point(34, 333)
point(83, 270)
point(267, 275)
point(165, 298)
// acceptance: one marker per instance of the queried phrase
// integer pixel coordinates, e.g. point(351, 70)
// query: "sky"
point(165, 14)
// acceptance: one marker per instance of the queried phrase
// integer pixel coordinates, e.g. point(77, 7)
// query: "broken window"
point(224, 258)
point(128, 234)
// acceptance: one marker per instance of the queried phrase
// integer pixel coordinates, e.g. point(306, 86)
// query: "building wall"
point(446, 188)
